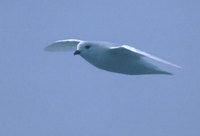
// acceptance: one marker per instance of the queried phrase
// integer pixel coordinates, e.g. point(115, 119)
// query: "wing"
point(139, 54)
point(63, 45)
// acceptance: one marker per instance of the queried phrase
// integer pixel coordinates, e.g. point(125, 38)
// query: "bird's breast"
point(106, 61)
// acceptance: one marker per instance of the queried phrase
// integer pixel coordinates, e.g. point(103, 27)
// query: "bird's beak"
point(77, 52)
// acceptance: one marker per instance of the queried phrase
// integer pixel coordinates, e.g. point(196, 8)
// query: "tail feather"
point(164, 73)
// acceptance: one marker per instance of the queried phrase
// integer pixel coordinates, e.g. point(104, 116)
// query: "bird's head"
point(89, 48)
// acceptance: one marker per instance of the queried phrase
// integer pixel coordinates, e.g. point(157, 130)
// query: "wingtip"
point(177, 66)
point(180, 67)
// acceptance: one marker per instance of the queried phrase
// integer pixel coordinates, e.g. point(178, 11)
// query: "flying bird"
point(111, 57)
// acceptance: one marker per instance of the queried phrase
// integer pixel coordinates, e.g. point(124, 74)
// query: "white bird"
point(111, 57)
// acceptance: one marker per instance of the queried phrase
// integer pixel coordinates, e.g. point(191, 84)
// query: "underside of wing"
point(139, 54)
point(63, 45)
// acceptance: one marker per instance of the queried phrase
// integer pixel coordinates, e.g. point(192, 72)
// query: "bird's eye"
point(87, 46)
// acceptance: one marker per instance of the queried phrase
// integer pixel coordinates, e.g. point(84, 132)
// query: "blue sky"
point(44, 93)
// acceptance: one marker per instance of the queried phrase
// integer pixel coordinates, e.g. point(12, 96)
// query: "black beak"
point(77, 52)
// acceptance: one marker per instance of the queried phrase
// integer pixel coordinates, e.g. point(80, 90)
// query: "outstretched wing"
point(63, 45)
point(139, 54)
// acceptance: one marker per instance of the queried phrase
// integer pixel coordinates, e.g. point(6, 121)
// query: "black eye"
point(87, 46)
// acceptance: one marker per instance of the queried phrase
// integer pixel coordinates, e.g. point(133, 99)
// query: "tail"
point(164, 72)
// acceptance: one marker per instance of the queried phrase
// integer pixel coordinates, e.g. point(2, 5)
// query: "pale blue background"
point(57, 94)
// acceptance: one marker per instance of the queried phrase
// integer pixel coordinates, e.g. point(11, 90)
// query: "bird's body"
point(114, 61)
point(120, 59)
